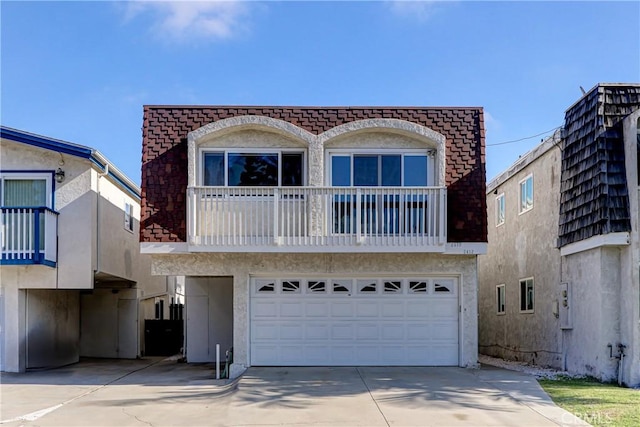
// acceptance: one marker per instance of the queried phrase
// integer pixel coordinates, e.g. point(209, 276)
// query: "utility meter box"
point(565, 306)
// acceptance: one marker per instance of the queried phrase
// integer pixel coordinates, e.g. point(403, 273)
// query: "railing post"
point(36, 235)
point(276, 219)
point(191, 211)
point(358, 216)
point(442, 214)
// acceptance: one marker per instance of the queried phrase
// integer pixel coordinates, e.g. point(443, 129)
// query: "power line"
point(522, 139)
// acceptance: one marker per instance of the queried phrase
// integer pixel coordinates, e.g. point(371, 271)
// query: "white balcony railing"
point(317, 219)
point(29, 235)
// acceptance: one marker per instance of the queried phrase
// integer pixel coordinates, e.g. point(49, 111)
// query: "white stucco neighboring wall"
point(43, 327)
point(594, 277)
point(243, 266)
point(524, 246)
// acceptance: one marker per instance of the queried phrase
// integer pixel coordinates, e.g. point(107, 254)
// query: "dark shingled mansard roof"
point(164, 158)
point(594, 193)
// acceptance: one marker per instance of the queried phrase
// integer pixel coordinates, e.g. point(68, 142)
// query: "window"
point(128, 217)
point(26, 189)
point(500, 299)
point(526, 194)
point(351, 169)
point(252, 169)
point(526, 295)
point(500, 214)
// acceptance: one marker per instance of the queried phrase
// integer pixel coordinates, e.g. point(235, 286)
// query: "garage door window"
point(417, 287)
point(367, 287)
point(393, 287)
point(341, 286)
point(291, 286)
point(265, 286)
point(316, 286)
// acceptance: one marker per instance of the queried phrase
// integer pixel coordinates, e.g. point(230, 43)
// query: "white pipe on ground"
point(217, 361)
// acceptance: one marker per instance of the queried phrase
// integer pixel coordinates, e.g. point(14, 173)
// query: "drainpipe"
point(100, 175)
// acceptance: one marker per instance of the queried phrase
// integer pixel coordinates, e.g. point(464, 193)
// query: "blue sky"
point(81, 71)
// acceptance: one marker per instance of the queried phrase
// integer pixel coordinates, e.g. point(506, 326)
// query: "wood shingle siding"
point(594, 192)
point(164, 158)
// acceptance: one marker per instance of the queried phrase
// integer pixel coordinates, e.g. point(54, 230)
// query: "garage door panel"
point(291, 332)
point(291, 309)
point(263, 308)
point(265, 331)
point(368, 355)
point(367, 331)
point(367, 309)
point(341, 309)
point(342, 355)
point(417, 331)
point(392, 309)
point(317, 309)
point(342, 331)
point(418, 309)
point(410, 326)
point(317, 331)
point(392, 332)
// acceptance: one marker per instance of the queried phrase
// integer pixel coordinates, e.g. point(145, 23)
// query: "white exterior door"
point(354, 321)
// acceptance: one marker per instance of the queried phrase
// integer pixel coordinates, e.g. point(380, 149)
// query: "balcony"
point(29, 236)
point(317, 219)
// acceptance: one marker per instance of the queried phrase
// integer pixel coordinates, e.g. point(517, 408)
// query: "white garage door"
point(343, 322)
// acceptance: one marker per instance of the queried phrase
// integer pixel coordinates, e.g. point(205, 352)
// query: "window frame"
point(522, 184)
point(501, 296)
point(47, 176)
point(128, 216)
point(430, 153)
point(528, 302)
point(225, 151)
point(501, 207)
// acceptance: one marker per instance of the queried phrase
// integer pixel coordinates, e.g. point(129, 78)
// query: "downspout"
point(100, 175)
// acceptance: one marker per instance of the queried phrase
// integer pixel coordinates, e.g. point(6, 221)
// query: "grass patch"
point(594, 402)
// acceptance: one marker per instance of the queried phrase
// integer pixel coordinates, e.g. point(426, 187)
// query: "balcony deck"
point(29, 236)
point(317, 219)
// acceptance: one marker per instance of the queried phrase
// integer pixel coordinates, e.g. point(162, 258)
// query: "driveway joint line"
point(372, 398)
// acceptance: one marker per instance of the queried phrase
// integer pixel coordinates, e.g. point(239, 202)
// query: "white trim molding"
point(164, 248)
point(465, 248)
point(610, 239)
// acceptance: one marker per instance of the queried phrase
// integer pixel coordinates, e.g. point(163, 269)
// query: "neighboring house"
point(559, 285)
point(71, 270)
point(319, 235)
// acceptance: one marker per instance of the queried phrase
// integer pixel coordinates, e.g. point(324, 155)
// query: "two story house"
point(319, 236)
point(71, 270)
point(560, 283)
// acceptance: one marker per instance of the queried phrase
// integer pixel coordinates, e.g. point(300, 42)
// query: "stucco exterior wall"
point(594, 276)
point(524, 246)
point(630, 258)
point(42, 328)
point(209, 307)
point(109, 323)
point(52, 327)
point(242, 266)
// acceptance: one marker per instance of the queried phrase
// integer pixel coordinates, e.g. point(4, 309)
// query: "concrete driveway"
point(155, 392)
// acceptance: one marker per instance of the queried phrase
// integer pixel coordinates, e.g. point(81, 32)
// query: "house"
point(559, 285)
point(71, 269)
point(319, 235)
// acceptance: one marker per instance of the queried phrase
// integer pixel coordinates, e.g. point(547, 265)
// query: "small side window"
point(500, 210)
point(500, 299)
point(526, 295)
point(526, 194)
point(128, 217)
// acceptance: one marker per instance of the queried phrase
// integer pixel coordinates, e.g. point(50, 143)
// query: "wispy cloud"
point(188, 20)
point(420, 10)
